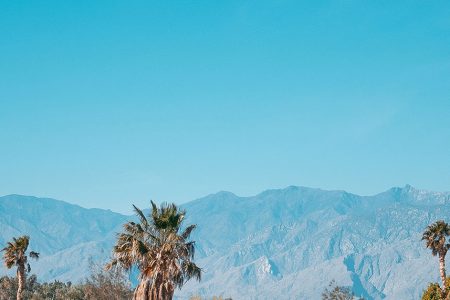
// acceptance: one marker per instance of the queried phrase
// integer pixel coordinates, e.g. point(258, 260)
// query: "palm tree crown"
point(159, 248)
point(15, 253)
point(435, 237)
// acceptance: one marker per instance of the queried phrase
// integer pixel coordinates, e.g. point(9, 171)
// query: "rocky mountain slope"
point(280, 244)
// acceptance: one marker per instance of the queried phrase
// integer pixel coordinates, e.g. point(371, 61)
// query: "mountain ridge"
point(406, 187)
point(250, 247)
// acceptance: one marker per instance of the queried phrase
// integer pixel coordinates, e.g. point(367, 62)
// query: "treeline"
point(101, 285)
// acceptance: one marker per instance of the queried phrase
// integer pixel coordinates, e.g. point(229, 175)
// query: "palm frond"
point(34, 255)
point(187, 232)
point(141, 216)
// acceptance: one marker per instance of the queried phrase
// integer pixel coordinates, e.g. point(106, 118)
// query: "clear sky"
point(108, 103)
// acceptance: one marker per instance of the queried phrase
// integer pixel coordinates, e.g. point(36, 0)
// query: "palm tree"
point(15, 255)
point(435, 238)
point(162, 252)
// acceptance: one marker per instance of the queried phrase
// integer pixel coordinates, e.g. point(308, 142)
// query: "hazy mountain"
point(67, 236)
point(290, 243)
point(284, 244)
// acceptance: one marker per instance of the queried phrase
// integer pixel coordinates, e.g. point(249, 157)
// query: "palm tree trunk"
point(442, 271)
point(171, 292)
point(164, 293)
point(21, 278)
point(159, 290)
point(143, 291)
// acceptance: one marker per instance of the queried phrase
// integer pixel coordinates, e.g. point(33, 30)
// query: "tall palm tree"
point(435, 237)
point(16, 255)
point(160, 249)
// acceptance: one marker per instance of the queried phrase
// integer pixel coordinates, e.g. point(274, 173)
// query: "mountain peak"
point(224, 194)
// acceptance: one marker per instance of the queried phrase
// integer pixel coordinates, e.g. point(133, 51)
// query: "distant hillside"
point(289, 243)
point(66, 235)
point(280, 244)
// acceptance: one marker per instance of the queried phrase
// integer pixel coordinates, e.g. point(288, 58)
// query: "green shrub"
point(433, 291)
point(335, 292)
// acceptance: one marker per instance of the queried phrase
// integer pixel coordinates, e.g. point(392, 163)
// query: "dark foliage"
point(101, 285)
point(335, 292)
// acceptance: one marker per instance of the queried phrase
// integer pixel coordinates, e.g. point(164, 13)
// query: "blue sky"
point(108, 103)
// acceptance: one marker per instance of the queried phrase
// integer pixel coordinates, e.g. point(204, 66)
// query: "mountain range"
point(280, 244)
